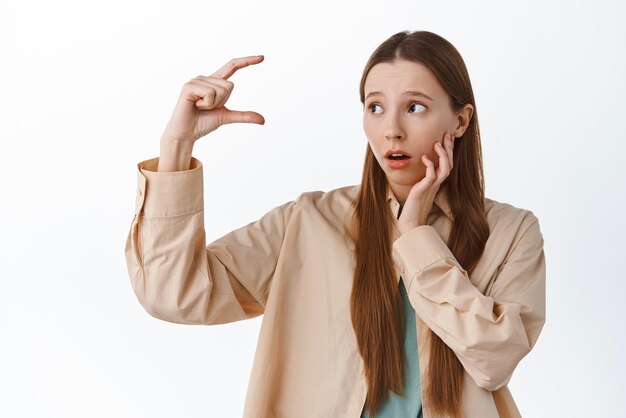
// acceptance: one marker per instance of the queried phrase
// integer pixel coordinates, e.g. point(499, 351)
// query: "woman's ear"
point(463, 118)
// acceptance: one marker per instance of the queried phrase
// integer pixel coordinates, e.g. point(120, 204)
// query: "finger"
point(236, 116)
point(223, 93)
point(196, 92)
point(237, 63)
point(216, 94)
point(450, 150)
point(443, 169)
point(227, 84)
point(430, 170)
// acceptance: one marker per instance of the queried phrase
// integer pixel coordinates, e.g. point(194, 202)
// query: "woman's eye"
point(372, 105)
point(417, 104)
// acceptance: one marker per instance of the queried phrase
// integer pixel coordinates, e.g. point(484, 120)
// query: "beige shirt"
point(295, 266)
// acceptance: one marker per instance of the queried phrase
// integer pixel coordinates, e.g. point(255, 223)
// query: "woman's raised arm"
point(175, 275)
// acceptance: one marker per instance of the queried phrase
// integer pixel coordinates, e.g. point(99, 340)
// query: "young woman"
point(408, 295)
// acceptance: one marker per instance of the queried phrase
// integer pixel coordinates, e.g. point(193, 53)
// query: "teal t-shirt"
point(410, 405)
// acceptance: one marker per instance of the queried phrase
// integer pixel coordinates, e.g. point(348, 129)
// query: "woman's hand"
point(201, 109)
point(420, 200)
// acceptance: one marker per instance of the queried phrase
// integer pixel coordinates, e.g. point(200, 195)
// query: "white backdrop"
point(87, 88)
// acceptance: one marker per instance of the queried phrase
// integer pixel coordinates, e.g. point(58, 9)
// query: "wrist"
point(175, 155)
point(403, 229)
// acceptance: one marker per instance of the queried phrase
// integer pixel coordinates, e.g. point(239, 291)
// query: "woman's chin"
point(405, 178)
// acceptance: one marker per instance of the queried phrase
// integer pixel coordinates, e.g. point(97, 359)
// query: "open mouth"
point(398, 157)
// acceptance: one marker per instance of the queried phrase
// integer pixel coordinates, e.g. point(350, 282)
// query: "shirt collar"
point(441, 200)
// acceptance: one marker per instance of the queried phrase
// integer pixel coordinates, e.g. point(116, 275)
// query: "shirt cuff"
point(168, 193)
point(417, 249)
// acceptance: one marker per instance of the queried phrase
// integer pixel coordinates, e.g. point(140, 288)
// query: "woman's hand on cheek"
point(421, 197)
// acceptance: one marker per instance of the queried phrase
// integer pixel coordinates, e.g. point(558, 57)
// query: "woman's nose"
point(394, 129)
point(392, 136)
point(394, 132)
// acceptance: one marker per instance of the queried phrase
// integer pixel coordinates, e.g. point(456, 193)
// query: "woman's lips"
point(397, 151)
point(398, 163)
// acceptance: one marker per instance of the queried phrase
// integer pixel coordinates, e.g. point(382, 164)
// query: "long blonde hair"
point(375, 301)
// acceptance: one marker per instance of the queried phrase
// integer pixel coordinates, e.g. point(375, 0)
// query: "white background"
point(87, 88)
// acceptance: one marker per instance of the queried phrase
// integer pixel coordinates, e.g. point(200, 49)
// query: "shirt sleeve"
point(175, 275)
point(491, 333)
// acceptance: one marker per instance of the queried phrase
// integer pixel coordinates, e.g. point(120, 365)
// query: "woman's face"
point(410, 122)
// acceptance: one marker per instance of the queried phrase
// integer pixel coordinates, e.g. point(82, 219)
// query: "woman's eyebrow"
point(406, 93)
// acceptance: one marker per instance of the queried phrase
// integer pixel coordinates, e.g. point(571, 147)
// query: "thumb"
point(235, 116)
